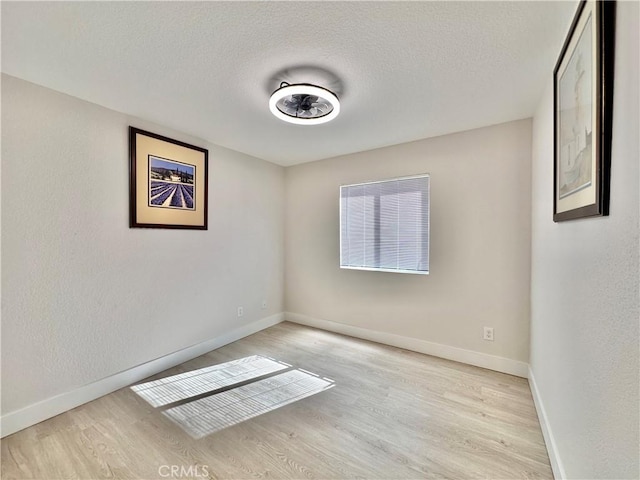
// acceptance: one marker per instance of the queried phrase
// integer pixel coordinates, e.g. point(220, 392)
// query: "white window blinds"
point(385, 225)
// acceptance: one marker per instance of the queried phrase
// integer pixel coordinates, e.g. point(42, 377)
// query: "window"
point(384, 226)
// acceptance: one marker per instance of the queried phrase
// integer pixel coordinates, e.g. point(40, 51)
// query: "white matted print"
point(583, 89)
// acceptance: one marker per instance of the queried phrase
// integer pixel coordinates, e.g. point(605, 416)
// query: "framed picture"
point(168, 182)
point(583, 101)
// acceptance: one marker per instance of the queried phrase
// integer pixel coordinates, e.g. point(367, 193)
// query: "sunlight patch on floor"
point(197, 382)
point(216, 412)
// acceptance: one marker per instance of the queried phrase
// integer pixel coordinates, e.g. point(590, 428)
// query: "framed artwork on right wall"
point(583, 102)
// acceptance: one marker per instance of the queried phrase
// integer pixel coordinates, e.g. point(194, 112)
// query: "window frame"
point(390, 270)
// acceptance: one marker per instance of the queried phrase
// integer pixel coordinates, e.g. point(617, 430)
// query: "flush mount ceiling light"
point(304, 104)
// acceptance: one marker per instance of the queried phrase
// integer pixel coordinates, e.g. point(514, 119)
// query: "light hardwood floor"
point(392, 414)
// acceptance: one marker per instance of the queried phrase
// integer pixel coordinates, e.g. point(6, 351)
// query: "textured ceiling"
point(403, 70)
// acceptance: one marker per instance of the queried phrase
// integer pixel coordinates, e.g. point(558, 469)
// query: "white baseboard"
point(552, 448)
point(37, 412)
point(492, 362)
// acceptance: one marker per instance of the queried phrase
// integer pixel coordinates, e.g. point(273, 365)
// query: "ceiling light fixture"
point(304, 104)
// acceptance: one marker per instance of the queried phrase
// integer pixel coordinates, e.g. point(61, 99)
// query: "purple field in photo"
point(171, 195)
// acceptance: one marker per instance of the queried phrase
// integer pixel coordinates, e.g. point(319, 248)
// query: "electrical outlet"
point(240, 311)
point(264, 304)
point(488, 333)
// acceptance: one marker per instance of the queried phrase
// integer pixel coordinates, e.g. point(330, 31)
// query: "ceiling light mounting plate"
point(304, 104)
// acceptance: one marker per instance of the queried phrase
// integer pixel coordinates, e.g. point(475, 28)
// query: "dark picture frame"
point(583, 107)
point(168, 182)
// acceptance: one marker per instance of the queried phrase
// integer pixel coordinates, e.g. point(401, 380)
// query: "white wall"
point(85, 296)
point(585, 293)
point(480, 243)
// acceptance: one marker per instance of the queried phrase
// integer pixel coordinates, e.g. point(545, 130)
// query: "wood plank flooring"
point(393, 414)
